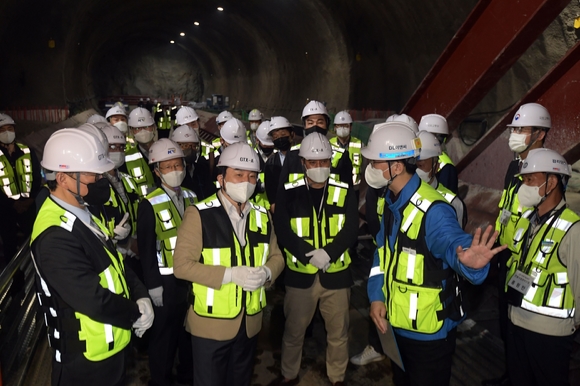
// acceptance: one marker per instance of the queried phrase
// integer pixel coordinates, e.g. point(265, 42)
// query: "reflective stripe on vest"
point(226, 302)
point(550, 293)
point(101, 340)
point(16, 183)
point(167, 220)
point(444, 159)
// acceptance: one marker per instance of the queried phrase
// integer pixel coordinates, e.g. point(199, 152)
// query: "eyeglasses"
point(91, 176)
point(520, 130)
point(116, 147)
point(317, 163)
point(137, 129)
point(172, 167)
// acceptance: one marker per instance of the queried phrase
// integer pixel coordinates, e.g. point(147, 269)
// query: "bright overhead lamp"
point(171, 41)
point(182, 34)
point(196, 22)
point(220, 9)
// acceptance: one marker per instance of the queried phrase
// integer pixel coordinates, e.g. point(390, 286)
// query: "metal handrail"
point(21, 322)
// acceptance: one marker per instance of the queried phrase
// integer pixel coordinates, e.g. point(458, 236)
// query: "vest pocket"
point(415, 308)
point(410, 267)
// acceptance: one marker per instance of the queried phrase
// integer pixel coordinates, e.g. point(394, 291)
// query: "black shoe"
point(504, 380)
point(281, 381)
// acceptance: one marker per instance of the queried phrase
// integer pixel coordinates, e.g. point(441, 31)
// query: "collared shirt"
point(84, 215)
point(238, 221)
point(117, 185)
point(176, 197)
point(282, 157)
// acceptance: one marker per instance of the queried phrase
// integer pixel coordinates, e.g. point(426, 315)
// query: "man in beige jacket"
point(226, 246)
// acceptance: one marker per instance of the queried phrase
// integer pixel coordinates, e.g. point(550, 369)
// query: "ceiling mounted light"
point(171, 41)
point(220, 9)
point(196, 22)
point(182, 34)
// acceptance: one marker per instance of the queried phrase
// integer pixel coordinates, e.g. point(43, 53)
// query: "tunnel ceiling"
point(267, 54)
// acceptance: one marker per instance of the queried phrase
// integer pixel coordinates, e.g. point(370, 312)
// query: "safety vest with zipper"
point(509, 202)
point(138, 168)
point(17, 183)
point(354, 152)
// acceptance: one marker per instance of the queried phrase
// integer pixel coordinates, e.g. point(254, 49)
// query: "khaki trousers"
point(299, 307)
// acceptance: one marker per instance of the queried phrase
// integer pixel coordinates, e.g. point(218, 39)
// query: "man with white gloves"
point(226, 246)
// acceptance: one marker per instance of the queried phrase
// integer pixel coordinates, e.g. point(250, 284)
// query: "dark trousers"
point(427, 363)
point(538, 359)
point(166, 336)
point(220, 363)
point(77, 370)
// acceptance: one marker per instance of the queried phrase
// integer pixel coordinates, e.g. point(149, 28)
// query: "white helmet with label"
point(6, 120)
point(314, 107)
point(233, 131)
point(140, 117)
point(343, 117)
point(73, 150)
point(532, 114)
point(262, 134)
point(434, 123)
point(184, 134)
point(392, 141)
point(186, 115)
point(406, 119)
point(116, 110)
point(114, 135)
point(223, 117)
point(545, 161)
point(96, 118)
point(163, 150)
point(94, 130)
point(279, 123)
point(240, 156)
point(315, 147)
point(430, 145)
point(255, 115)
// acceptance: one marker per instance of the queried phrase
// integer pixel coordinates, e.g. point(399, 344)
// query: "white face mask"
point(375, 179)
point(423, 175)
point(529, 196)
point(173, 178)
point(517, 142)
point(144, 136)
point(318, 175)
point(342, 132)
point(241, 191)
point(118, 157)
point(7, 137)
point(122, 126)
point(254, 126)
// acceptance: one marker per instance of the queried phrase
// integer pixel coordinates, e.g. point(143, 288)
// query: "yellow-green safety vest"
point(262, 198)
point(101, 340)
point(550, 294)
point(138, 168)
point(444, 159)
point(17, 183)
point(167, 220)
point(130, 207)
point(221, 247)
point(510, 202)
point(354, 152)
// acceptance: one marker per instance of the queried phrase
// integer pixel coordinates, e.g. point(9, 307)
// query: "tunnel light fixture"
point(196, 22)
point(182, 34)
point(221, 9)
point(172, 41)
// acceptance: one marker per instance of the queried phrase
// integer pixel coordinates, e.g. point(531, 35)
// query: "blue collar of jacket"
point(404, 195)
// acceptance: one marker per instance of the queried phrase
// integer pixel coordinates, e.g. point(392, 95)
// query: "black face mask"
point(282, 143)
point(315, 129)
point(99, 192)
point(267, 150)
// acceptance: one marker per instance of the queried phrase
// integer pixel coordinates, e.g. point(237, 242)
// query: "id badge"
point(504, 217)
point(521, 282)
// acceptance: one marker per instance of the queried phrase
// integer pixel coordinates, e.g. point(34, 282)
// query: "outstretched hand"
point(481, 250)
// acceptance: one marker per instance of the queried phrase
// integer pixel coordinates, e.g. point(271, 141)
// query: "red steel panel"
point(494, 36)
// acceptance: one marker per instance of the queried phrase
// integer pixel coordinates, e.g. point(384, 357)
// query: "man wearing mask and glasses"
point(89, 299)
point(159, 216)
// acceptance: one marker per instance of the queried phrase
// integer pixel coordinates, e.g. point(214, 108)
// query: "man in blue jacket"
point(421, 251)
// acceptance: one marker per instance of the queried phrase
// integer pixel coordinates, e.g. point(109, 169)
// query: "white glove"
point(319, 258)
point(157, 296)
point(257, 277)
point(147, 316)
point(123, 228)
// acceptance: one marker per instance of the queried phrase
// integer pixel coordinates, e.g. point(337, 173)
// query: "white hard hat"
point(255, 115)
point(95, 131)
point(186, 115)
point(342, 117)
point(532, 114)
point(404, 118)
point(394, 141)
point(314, 107)
point(163, 150)
point(263, 133)
point(279, 123)
point(434, 123)
point(315, 147)
point(96, 118)
point(184, 134)
point(6, 120)
point(545, 161)
point(430, 145)
point(116, 110)
point(140, 117)
point(233, 131)
point(240, 156)
point(223, 116)
point(73, 150)
point(114, 135)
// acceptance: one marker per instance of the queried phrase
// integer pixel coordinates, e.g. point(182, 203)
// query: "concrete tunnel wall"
point(270, 55)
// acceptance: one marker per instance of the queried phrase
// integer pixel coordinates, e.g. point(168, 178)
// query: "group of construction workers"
point(173, 239)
